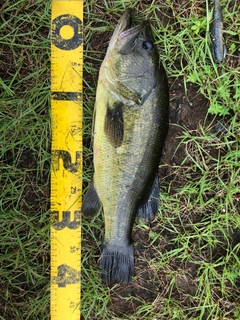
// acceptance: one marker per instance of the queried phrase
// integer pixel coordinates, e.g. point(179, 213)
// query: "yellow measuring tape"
point(66, 170)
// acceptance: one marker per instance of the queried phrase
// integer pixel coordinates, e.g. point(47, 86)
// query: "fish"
point(218, 48)
point(130, 128)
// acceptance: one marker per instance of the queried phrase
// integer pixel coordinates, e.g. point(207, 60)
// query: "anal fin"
point(149, 206)
point(91, 203)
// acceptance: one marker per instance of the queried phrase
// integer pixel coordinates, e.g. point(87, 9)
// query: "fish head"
point(132, 55)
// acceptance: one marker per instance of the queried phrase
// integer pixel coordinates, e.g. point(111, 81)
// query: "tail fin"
point(117, 264)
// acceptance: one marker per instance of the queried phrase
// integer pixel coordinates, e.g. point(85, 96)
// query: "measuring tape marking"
point(66, 170)
point(67, 96)
point(67, 20)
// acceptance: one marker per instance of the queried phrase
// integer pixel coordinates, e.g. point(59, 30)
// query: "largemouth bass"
point(218, 47)
point(131, 121)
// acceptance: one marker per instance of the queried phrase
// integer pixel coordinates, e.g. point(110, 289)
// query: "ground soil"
point(188, 111)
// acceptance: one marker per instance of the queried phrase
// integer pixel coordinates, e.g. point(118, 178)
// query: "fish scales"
point(130, 127)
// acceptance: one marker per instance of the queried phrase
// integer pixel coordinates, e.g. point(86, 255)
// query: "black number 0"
point(67, 20)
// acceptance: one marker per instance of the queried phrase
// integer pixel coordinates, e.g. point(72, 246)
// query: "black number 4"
point(66, 275)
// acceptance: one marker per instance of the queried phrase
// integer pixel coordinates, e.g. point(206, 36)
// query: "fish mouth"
point(125, 28)
point(124, 23)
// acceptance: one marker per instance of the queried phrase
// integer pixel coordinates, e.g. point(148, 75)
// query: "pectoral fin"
point(149, 206)
point(91, 203)
point(114, 126)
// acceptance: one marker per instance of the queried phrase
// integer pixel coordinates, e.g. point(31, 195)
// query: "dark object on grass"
point(218, 47)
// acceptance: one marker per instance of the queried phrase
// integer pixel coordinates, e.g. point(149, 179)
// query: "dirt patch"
point(23, 159)
point(187, 110)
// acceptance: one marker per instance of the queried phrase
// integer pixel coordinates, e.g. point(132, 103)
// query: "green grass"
point(24, 159)
point(194, 243)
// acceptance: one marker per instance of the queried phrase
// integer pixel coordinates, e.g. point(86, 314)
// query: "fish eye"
point(147, 45)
